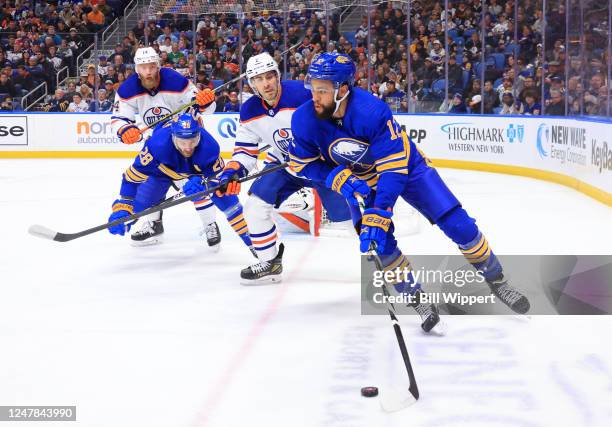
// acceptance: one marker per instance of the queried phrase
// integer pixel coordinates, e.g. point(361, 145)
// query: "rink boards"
point(573, 152)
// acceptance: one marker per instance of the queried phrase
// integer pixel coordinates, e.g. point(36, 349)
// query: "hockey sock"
point(479, 254)
point(235, 217)
point(402, 280)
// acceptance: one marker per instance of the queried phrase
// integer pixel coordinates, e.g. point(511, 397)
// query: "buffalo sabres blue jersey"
point(367, 140)
point(160, 158)
point(262, 125)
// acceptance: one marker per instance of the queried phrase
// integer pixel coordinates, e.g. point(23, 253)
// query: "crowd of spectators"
point(409, 77)
point(515, 65)
point(38, 38)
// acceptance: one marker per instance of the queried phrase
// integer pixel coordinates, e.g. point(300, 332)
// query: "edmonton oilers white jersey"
point(261, 125)
point(173, 92)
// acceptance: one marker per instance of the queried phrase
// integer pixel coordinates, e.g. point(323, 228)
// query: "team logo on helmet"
point(282, 138)
point(348, 149)
point(342, 60)
point(153, 114)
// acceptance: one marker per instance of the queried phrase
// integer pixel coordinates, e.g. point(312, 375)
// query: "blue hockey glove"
point(375, 225)
point(121, 208)
point(342, 181)
point(194, 184)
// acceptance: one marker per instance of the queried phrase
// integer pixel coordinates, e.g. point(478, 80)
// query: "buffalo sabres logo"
point(282, 138)
point(153, 114)
point(342, 60)
point(344, 150)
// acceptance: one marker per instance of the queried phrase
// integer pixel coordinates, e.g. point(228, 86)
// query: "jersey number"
point(394, 129)
point(145, 156)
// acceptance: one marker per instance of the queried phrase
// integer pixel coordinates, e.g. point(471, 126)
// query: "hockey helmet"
point(338, 68)
point(260, 64)
point(185, 131)
point(146, 55)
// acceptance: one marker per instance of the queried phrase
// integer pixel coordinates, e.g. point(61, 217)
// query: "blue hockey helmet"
point(338, 68)
point(185, 131)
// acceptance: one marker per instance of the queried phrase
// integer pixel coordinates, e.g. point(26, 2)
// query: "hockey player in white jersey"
point(265, 119)
point(144, 98)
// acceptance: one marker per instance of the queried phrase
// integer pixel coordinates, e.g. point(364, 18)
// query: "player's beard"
point(149, 82)
point(327, 112)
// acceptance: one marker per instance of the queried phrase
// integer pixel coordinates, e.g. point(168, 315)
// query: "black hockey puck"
point(369, 391)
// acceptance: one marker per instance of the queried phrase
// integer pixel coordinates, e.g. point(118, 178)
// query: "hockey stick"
point(184, 107)
point(392, 402)
point(46, 233)
point(180, 192)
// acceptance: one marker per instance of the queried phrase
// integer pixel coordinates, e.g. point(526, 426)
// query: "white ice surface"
point(165, 336)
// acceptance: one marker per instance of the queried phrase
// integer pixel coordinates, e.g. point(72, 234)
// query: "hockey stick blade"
point(394, 399)
point(42, 232)
point(413, 388)
point(46, 233)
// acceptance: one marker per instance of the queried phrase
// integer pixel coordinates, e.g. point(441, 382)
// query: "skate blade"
point(270, 280)
point(393, 399)
point(439, 330)
point(214, 249)
point(149, 242)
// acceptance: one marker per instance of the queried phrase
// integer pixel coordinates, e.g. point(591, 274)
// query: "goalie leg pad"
point(258, 215)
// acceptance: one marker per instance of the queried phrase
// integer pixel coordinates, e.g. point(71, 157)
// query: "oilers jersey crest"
point(262, 125)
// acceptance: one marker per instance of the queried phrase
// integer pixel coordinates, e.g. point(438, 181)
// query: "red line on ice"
point(218, 390)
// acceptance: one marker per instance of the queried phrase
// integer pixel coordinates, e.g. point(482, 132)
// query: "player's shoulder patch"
point(171, 80)
point(294, 94)
point(252, 108)
point(130, 87)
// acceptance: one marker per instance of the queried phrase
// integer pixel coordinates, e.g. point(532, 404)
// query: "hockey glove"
point(375, 225)
point(228, 179)
point(342, 181)
point(121, 208)
point(204, 98)
point(129, 134)
point(194, 184)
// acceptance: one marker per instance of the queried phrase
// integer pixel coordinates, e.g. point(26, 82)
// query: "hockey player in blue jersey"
point(178, 151)
point(265, 119)
point(348, 139)
point(149, 95)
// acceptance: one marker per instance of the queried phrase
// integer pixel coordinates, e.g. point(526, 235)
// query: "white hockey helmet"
point(260, 64)
point(146, 55)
